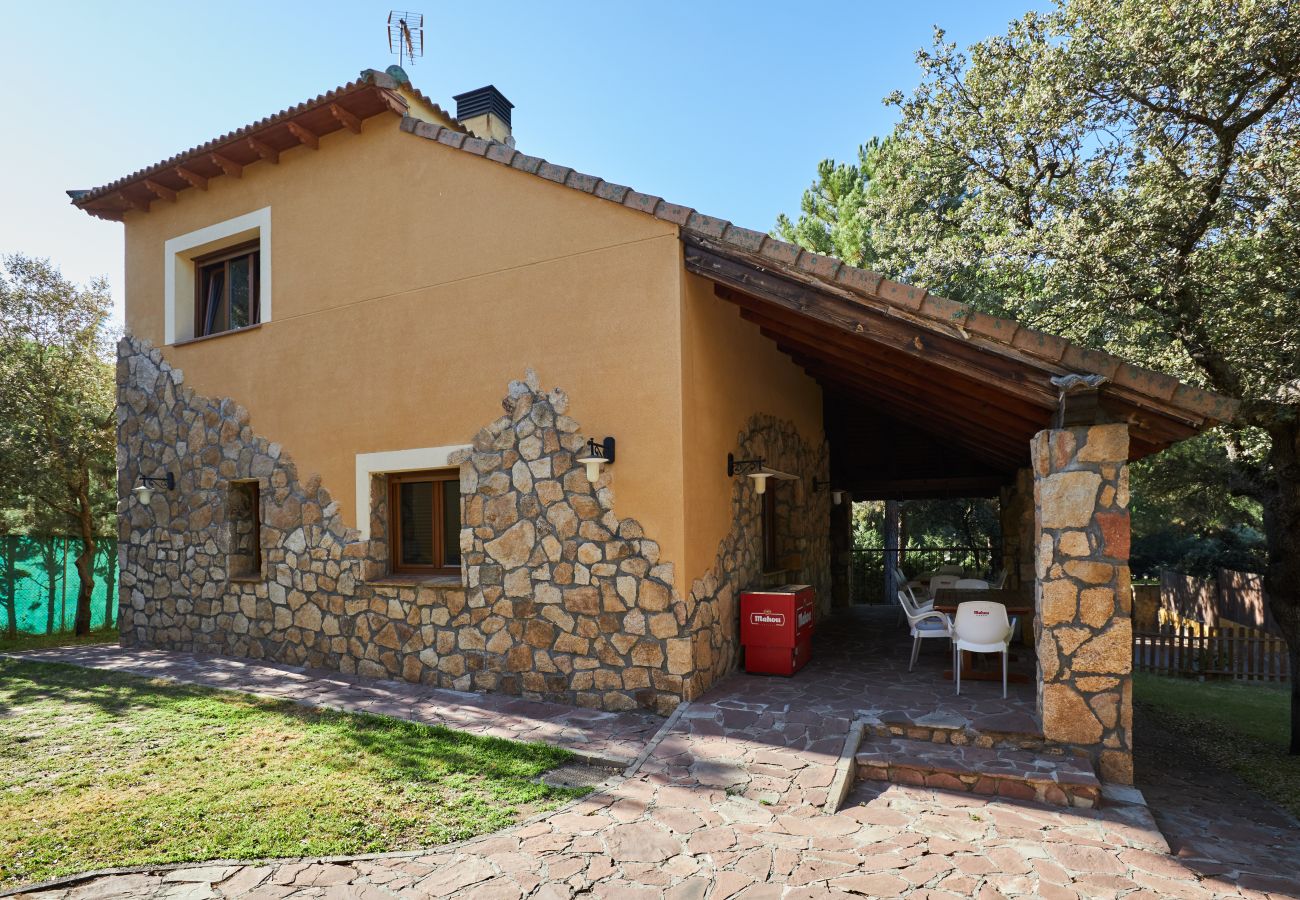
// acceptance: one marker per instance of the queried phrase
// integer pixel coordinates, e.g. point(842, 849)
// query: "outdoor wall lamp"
point(597, 456)
point(837, 496)
point(145, 493)
point(755, 469)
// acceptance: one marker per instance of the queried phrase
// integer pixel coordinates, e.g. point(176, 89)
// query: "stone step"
point(1008, 730)
point(1054, 779)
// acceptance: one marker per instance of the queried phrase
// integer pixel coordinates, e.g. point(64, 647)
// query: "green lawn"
point(100, 769)
point(1244, 728)
point(63, 639)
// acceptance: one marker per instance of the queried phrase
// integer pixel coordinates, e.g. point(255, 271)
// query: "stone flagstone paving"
point(729, 806)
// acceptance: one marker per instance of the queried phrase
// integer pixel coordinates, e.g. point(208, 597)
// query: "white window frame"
point(179, 273)
point(389, 461)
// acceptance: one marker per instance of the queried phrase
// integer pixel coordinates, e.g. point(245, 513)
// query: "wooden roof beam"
point(347, 119)
point(264, 150)
point(228, 165)
point(870, 366)
point(194, 179)
point(160, 190)
point(951, 354)
point(994, 446)
point(304, 135)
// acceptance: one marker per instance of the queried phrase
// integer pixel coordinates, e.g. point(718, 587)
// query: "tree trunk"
point(891, 550)
point(11, 585)
point(50, 557)
point(1282, 532)
point(110, 594)
point(86, 558)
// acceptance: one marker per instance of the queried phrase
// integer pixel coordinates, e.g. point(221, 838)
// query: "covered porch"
point(925, 398)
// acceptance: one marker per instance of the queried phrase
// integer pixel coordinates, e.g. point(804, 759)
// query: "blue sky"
point(725, 107)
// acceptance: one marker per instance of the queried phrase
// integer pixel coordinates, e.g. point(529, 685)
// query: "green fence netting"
point(42, 583)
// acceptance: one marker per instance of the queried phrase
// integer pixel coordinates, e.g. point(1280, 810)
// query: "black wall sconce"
point(755, 469)
point(144, 492)
point(598, 454)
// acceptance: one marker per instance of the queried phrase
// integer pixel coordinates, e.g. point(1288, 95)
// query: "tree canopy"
point(1125, 174)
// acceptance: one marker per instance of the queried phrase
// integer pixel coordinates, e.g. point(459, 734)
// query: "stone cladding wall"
point(559, 598)
point(1084, 598)
point(803, 515)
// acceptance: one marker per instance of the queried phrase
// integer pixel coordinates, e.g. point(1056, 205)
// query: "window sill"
point(448, 581)
point(219, 334)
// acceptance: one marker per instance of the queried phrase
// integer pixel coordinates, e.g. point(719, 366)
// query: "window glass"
point(241, 300)
point(416, 498)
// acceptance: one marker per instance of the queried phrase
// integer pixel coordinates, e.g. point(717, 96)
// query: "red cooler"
point(776, 627)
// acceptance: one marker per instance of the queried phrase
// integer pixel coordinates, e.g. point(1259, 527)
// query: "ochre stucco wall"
point(729, 373)
point(411, 282)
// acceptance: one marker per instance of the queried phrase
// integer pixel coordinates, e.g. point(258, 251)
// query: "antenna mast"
point(406, 35)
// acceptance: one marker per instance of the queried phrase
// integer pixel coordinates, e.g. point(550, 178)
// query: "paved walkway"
point(729, 806)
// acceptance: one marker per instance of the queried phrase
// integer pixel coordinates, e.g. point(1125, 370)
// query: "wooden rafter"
point(133, 202)
point(264, 150)
point(352, 123)
point(160, 190)
point(228, 165)
point(304, 135)
point(194, 179)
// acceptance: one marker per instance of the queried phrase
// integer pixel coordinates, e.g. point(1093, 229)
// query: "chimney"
point(485, 113)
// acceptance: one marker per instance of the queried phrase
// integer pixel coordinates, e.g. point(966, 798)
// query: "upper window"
point(424, 522)
point(227, 290)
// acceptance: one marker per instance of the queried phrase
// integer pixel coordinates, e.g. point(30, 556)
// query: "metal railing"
point(867, 576)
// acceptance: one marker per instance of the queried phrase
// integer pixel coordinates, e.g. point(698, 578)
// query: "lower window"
point(424, 522)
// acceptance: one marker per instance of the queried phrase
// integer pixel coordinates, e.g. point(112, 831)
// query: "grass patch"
point(100, 769)
point(1239, 727)
point(62, 639)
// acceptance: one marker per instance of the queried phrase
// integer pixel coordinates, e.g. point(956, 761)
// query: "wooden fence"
point(1193, 651)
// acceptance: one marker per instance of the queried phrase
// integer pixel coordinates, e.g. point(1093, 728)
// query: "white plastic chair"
point(1001, 581)
point(950, 569)
point(981, 626)
point(971, 584)
point(924, 624)
point(939, 582)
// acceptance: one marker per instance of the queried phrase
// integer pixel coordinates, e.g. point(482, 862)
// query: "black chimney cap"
point(483, 100)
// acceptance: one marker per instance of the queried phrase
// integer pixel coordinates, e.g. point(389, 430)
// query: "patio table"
point(1019, 602)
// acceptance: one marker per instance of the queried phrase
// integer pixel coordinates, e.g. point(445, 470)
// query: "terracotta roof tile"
point(904, 295)
point(552, 172)
point(501, 153)
point(608, 190)
point(644, 202)
point(1039, 343)
point(474, 145)
point(942, 308)
point(707, 225)
point(525, 163)
point(673, 212)
point(822, 266)
point(862, 280)
point(782, 252)
point(1000, 330)
point(1085, 359)
point(451, 138)
point(744, 238)
point(1146, 382)
point(579, 181)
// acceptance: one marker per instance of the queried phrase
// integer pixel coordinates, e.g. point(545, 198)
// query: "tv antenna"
point(406, 35)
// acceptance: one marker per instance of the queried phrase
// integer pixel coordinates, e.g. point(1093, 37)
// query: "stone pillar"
point(1083, 597)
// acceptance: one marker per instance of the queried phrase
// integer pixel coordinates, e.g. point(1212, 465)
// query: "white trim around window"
point(180, 252)
point(414, 460)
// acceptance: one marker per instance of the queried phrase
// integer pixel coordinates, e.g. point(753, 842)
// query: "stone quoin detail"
point(559, 599)
point(1084, 598)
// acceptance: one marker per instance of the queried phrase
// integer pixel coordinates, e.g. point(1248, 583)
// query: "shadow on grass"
point(410, 749)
